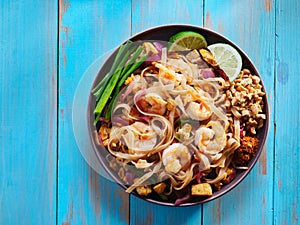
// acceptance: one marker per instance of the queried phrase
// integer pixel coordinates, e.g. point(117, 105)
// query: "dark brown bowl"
point(163, 33)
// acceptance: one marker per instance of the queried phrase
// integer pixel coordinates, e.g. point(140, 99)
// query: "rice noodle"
point(142, 179)
point(164, 56)
point(237, 129)
point(160, 93)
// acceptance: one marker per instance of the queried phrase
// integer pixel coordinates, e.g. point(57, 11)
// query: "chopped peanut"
point(129, 79)
point(143, 190)
point(159, 188)
point(104, 134)
point(171, 104)
point(104, 130)
point(244, 100)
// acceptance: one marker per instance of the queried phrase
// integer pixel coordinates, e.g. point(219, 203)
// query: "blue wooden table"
point(45, 48)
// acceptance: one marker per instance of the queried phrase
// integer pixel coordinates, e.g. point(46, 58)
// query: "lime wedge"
point(227, 58)
point(186, 40)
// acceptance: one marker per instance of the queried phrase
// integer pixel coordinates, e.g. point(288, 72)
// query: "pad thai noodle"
point(178, 129)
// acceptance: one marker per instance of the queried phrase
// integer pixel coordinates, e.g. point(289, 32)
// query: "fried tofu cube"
point(203, 189)
point(159, 188)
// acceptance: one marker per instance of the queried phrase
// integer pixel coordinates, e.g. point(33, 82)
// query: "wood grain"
point(88, 29)
point(287, 139)
point(149, 13)
point(252, 27)
point(28, 102)
point(45, 48)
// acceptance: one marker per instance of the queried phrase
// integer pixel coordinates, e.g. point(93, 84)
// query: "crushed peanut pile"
point(245, 99)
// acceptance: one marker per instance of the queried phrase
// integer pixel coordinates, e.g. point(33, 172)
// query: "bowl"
point(163, 33)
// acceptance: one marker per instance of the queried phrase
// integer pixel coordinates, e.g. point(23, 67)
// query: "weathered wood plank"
point(251, 25)
point(28, 101)
point(147, 14)
point(28, 112)
point(87, 30)
point(287, 142)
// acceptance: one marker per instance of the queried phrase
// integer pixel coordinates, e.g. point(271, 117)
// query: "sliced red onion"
point(159, 46)
point(198, 177)
point(207, 73)
point(139, 94)
point(242, 131)
point(103, 119)
point(119, 121)
point(185, 199)
point(152, 58)
point(100, 139)
point(128, 90)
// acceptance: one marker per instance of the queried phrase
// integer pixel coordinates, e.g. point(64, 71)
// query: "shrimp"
point(185, 69)
point(165, 73)
point(139, 137)
point(153, 103)
point(176, 157)
point(211, 138)
point(198, 111)
point(143, 132)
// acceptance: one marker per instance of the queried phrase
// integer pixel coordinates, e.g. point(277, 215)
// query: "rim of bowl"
point(263, 133)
